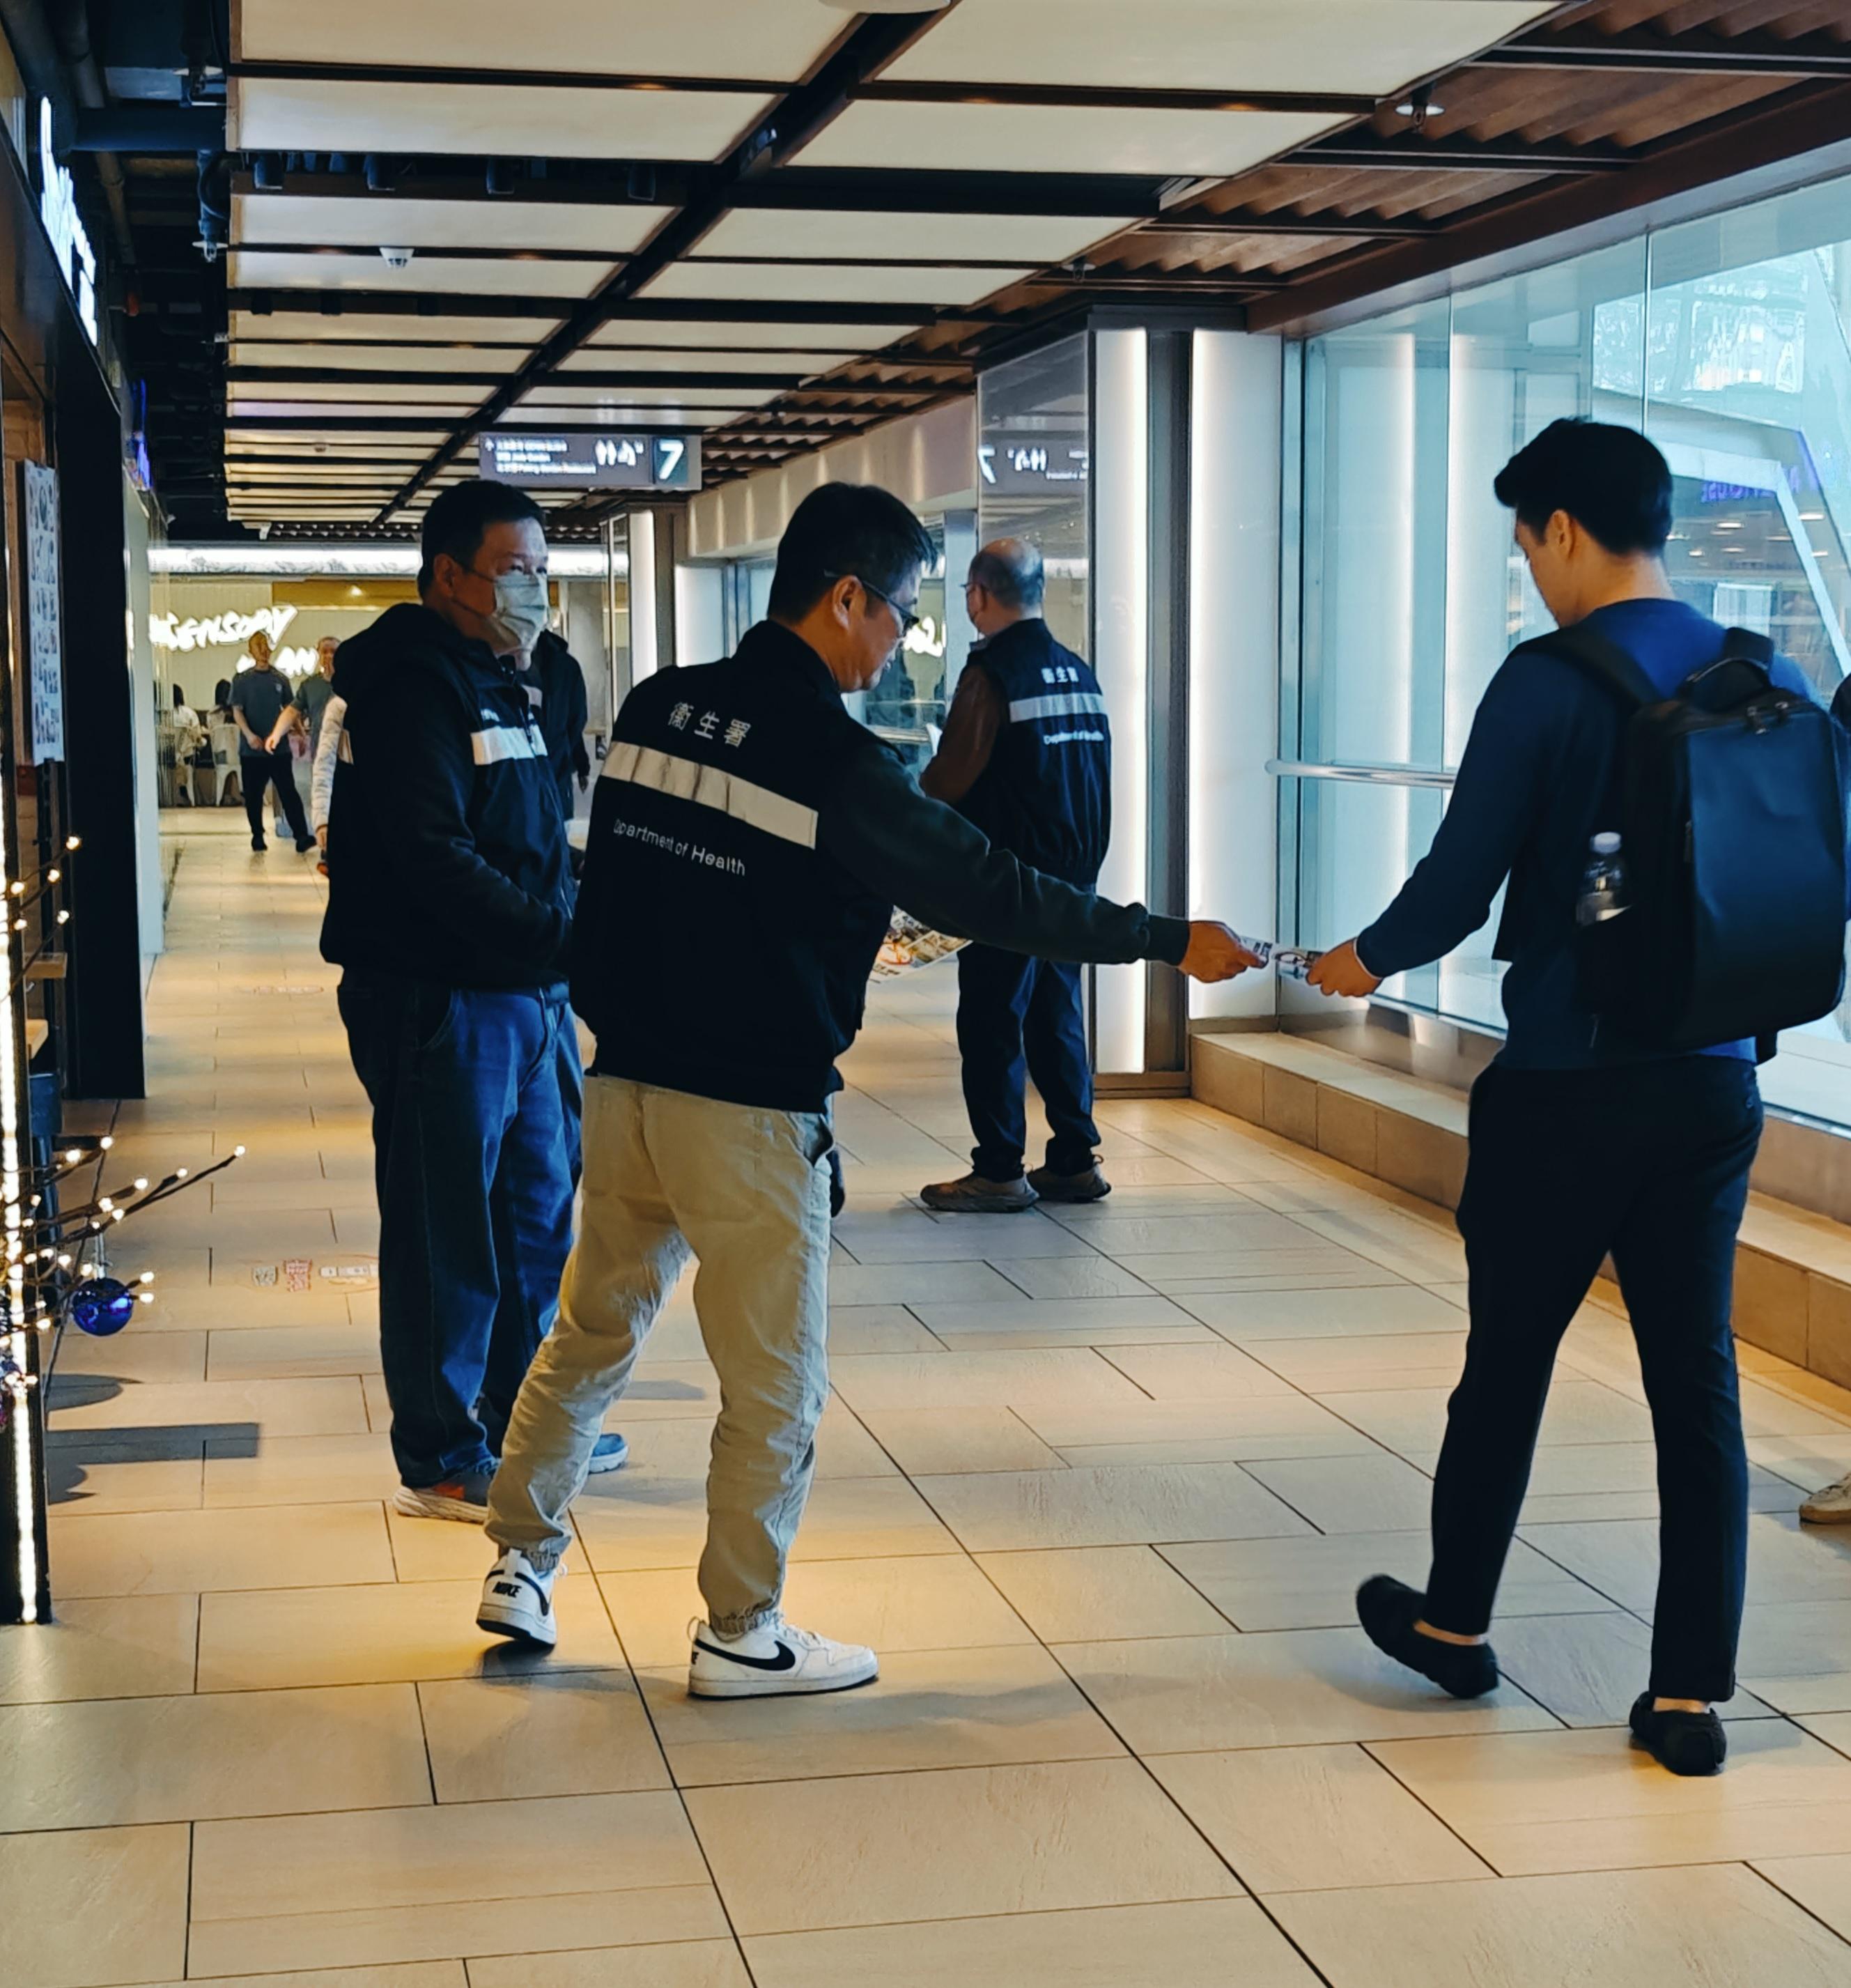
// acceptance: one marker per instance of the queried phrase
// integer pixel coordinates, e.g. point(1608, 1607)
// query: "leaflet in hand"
point(909, 945)
point(1294, 962)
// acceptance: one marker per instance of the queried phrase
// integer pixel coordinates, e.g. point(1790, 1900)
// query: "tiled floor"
point(1100, 1486)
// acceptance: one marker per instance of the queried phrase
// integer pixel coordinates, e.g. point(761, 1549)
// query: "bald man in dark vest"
point(1027, 758)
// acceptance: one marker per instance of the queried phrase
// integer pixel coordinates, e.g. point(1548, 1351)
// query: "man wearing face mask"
point(449, 902)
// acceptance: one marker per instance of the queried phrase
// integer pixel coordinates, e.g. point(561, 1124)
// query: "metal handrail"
point(1373, 776)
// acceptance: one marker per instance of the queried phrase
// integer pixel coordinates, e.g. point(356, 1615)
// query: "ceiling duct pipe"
point(72, 28)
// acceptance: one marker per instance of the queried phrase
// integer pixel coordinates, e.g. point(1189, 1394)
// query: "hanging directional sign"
point(590, 459)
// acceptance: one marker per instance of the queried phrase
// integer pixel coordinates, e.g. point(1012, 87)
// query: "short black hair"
point(1011, 570)
point(1610, 480)
point(458, 519)
point(845, 529)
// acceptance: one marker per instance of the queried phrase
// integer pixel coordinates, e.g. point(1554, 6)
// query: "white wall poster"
point(44, 627)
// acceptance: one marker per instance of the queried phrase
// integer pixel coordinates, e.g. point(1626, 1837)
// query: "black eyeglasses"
point(908, 620)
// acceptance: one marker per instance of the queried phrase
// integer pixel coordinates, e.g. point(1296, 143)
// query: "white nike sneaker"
point(517, 1601)
point(774, 1661)
point(1832, 1506)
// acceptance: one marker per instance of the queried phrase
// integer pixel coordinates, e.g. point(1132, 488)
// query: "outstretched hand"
point(1215, 952)
point(1340, 973)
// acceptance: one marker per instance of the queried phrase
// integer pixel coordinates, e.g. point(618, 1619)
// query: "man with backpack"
point(1622, 1115)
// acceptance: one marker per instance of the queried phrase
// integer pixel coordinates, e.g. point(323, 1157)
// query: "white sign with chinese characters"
point(58, 210)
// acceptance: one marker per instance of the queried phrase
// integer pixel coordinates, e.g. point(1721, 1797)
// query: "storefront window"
point(1728, 340)
point(1032, 472)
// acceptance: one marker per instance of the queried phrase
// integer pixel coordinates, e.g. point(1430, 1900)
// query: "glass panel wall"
point(1728, 341)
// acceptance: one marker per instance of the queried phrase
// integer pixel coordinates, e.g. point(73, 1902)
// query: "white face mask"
point(521, 609)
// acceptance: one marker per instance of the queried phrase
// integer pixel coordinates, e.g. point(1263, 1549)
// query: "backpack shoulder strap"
point(1747, 645)
point(1601, 659)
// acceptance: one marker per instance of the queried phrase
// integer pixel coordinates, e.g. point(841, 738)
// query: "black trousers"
point(257, 771)
point(1018, 1018)
point(1648, 1162)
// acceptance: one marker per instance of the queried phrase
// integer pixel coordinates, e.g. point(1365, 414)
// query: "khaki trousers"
point(746, 1192)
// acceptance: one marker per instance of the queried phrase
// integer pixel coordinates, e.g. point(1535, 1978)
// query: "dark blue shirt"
point(1536, 773)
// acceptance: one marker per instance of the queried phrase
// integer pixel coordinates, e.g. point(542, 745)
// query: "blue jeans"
point(477, 1096)
point(1018, 1018)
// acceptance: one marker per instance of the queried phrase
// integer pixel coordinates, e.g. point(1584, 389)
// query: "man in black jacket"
point(449, 905)
point(555, 684)
point(743, 815)
point(1027, 758)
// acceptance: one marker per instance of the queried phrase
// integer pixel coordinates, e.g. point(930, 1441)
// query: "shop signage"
point(58, 210)
point(608, 459)
point(219, 631)
point(1013, 465)
point(45, 629)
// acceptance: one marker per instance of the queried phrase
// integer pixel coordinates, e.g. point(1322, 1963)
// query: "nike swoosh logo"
point(785, 1659)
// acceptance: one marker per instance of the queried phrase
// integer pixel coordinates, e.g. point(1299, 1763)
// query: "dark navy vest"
point(1046, 795)
point(716, 950)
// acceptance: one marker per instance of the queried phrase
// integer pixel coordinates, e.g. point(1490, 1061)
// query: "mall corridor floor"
point(1098, 1487)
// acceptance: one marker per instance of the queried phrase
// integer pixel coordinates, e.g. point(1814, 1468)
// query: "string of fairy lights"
point(57, 1273)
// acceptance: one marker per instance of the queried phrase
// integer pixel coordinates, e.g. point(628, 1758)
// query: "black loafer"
point(1684, 1743)
point(1388, 1610)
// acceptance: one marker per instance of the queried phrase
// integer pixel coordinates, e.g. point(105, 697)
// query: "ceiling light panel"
point(265, 269)
point(695, 332)
point(295, 441)
point(651, 397)
point(828, 235)
point(379, 358)
point(269, 404)
point(384, 397)
point(1369, 47)
point(1023, 138)
point(803, 365)
point(621, 414)
point(829, 283)
point(269, 114)
point(778, 40)
point(337, 221)
point(384, 327)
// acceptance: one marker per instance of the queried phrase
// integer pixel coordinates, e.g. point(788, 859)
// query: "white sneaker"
point(774, 1661)
point(1830, 1506)
point(517, 1601)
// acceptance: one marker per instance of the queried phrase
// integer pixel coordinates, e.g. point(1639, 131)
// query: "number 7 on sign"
point(668, 459)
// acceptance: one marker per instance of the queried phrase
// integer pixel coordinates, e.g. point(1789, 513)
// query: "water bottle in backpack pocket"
point(1712, 908)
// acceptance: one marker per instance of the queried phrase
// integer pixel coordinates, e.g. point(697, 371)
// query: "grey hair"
point(1011, 570)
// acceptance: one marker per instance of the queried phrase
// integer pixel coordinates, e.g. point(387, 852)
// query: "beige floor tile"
point(1249, 1318)
point(1004, 1512)
point(557, 1733)
point(1648, 1929)
point(1806, 1462)
point(1423, 1251)
point(667, 1390)
point(281, 1352)
point(878, 1329)
point(1196, 1373)
point(700, 1963)
point(385, 1633)
point(945, 1441)
point(170, 1355)
point(82, 1765)
point(795, 1856)
point(1214, 1944)
point(922, 1238)
point(1378, 1361)
point(1231, 1429)
point(1351, 1494)
point(90, 1907)
point(1094, 1592)
point(926, 1601)
point(145, 1474)
point(282, 1469)
point(224, 1408)
point(935, 1283)
point(1309, 1264)
point(1587, 1669)
point(1089, 1276)
point(221, 1308)
point(448, 1854)
point(189, 1552)
point(134, 1646)
point(1787, 1562)
point(1155, 1232)
point(1414, 1418)
point(1313, 1818)
point(410, 1974)
point(1797, 1654)
point(1822, 1885)
point(664, 1524)
point(928, 1709)
point(1049, 1322)
point(1298, 1687)
point(440, 1549)
point(1585, 1801)
point(1075, 1376)
point(565, 1922)
point(1311, 1583)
